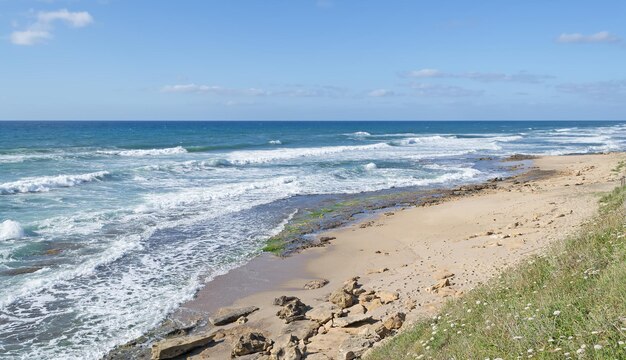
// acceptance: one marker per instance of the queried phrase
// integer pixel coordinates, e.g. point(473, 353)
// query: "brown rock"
point(387, 296)
point(354, 347)
point(342, 298)
point(394, 321)
point(227, 316)
point(440, 285)
point(171, 348)
point(250, 343)
point(303, 329)
point(292, 308)
point(315, 284)
point(322, 313)
point(324, 239)
point(352, 320)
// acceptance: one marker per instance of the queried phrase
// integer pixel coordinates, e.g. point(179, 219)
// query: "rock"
point(250, 343)
point(342, 298)
point(354, 347)
point(351, 320)
point(356, 309)
point(387, 296)
point(242, 320)
point(443, 274)
point(377, 271)
point(351, 285)
point(322, 313)
point(228, 316)
point(394, 321)
point(283, 300)
point(286, 348)
point(315, 284)
point(372, 305)
point(293, 309)
point(302, 329)
point(440, 285)
point(324, 239)
point(171, 348)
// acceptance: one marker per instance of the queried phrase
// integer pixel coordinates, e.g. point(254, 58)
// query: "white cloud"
point(216, 90)
point(42, 28)
point(291, 91)
point(599, 37)
point(29, 37)
point(381, 93)
point(75, 19)
point(425, 73)
point(436, 90)
point(598, 90)
point(519, 77)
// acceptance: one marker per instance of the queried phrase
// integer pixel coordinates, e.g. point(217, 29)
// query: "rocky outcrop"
point(287, 347)
point(292, 308)
point(227, 316)
point(251, 343)
point(354, 347)
point(315, 284)
point(171, 348)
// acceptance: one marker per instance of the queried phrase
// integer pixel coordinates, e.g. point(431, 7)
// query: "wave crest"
point(146, 152)
point(46, 183)
point(10, 229)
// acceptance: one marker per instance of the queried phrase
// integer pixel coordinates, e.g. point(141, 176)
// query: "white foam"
point(275, 142)
point(10, 229)
point(266, 156)
point(147, 152)
point(46, 183)
point(360, 133)
point(370, 166)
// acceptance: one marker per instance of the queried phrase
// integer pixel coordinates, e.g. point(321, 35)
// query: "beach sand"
point(458, 243)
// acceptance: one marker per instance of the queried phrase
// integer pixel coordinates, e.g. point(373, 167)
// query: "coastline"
point(472, 236)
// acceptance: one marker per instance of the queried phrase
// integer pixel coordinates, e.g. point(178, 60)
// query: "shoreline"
point(401, 265)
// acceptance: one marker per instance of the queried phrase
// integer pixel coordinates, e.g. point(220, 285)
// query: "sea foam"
point(46, 183)
point(10, 229)
point(146, 152)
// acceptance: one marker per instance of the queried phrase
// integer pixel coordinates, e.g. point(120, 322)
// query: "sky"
point(312, 60)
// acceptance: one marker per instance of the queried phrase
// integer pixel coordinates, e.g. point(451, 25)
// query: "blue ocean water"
point(105, 227)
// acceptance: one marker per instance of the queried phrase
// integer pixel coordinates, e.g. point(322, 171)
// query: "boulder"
point(440, 285)
point(315, 284)
point(292, 308)
point(325, 239)
point(302, 329)
point(395, 321)
point(286, 347)
point(342, 298)
point(250, 343)
point(322, 313)
point(387, 296)
point(171, 348)
point(351, 320)
point(354, 347)
point(373, 305)
point(356, 309)
point(227, 316)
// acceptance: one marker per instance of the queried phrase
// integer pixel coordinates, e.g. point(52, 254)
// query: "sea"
point(107, 227)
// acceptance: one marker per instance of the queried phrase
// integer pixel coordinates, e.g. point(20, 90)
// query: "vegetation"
point(568, 303)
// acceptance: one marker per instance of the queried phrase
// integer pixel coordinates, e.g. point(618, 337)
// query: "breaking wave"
point(47, 183)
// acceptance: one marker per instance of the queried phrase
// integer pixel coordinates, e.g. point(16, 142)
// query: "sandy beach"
point(400, 265)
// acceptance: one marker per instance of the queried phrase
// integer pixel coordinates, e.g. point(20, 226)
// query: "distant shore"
point(406, 262)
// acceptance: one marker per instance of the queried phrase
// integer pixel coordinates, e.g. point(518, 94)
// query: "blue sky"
point(312, 59)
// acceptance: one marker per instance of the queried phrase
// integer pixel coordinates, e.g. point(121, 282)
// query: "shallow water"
point(106, 227)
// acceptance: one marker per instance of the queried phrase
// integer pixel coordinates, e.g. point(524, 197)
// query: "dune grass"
point(568, 303)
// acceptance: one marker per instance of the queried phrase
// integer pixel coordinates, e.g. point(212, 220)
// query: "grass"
point(568, 303)
point(620, 166)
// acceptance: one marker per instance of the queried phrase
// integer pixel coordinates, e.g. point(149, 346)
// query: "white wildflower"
point(556, 313)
